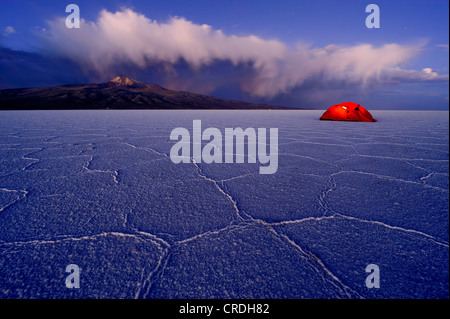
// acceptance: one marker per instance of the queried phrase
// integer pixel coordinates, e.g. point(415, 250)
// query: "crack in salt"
point(349, 292)
point(390, 178)
point(412, 231)
point(313, 260)
point(114, 173)
point(220, 189)
point(146, 283)
point(375, 222)
point(64, 238)
point(148, 149)
point(24, 193)
point(322, 202)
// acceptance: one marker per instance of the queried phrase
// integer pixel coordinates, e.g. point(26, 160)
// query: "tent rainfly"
point(347, 111)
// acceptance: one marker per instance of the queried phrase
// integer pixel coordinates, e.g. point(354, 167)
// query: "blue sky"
point(415, 78)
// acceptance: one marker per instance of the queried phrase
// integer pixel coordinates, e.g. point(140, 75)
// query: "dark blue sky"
point(413, 75)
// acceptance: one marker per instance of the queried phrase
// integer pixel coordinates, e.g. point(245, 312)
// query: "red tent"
point(347, 111)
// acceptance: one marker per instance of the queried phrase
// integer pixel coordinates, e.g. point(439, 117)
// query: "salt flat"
point(99, 190)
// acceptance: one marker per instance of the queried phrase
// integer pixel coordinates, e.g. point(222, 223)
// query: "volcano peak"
point(123, 80)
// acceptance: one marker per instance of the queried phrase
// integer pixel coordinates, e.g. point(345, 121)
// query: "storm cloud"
point(184, 53)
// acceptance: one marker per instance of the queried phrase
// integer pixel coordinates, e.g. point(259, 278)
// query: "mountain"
point(119, 93)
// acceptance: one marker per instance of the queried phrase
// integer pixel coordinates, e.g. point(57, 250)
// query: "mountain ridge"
point(121, 92)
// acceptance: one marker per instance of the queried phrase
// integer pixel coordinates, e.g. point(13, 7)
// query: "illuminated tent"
point(347, 111)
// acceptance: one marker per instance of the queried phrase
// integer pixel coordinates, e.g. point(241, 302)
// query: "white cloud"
point(8, 30)
point(127, 37)
point(399, 75)
point(444, 46)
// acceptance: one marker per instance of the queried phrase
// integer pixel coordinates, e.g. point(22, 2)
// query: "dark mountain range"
point(119, 93)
